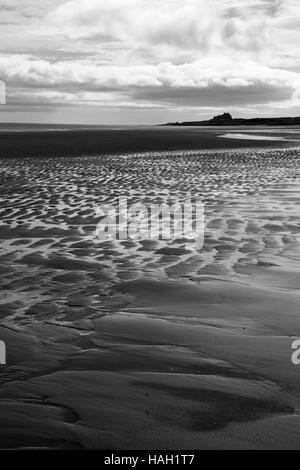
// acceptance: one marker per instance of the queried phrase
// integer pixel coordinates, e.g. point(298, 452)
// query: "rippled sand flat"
point(150, 344)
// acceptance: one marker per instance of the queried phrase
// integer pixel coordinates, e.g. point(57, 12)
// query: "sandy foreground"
point(145, 344)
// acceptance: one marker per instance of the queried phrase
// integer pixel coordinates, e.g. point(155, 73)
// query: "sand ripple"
point(112, 331)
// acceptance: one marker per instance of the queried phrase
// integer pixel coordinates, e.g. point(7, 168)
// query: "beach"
point(139, 343)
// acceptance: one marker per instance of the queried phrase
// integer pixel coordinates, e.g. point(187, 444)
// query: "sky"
point(148, 61)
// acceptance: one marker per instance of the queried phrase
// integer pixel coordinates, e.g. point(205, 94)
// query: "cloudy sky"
point(148, 61)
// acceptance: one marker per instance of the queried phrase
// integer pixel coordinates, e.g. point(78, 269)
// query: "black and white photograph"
point(149, 227)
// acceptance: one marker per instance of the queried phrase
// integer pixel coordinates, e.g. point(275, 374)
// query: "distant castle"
point(222, 118)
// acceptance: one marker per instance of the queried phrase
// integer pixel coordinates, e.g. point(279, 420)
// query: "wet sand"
point(151, 344)
point(44, 142)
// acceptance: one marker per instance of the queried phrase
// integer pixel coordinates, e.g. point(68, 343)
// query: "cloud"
point(202, 73)
point(31, 72)
point(18, 11)
point(134, 53)
point(202, 82)
point(191, 24)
